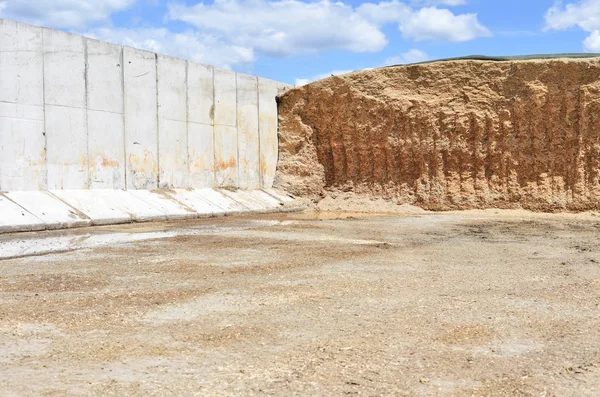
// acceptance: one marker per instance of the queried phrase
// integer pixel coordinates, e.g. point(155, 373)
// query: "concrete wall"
point(76, 113)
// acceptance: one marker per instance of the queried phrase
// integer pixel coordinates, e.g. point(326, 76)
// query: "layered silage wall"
point(77, 113)
point(449, 135)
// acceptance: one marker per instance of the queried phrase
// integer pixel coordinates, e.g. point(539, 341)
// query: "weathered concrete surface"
point(225, 112)
point(222, 201)
point(77, 113)
point(267, 116)
point(58, 209)
point(248, 138)
point(65, 110)
point(106, 136)
point(256, 200)
point(196, 201)
point(172, 122)
point(95, 205)
point(172, 209)
point(461, 134)
point(201, 142)
point(226, 156)
point(226, 137)
point(475, 303)
point(22, 140)
point(15, 218)
point(53, 212)
point(141, 125)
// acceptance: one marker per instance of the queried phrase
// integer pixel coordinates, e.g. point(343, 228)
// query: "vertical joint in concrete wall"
point(187, 121)
point(212, 116)
point(122, 63)
point(237, 128)
point(172, 129)
point(260, 168)
point(44, 107)
point(157, 126)
point(86, 102)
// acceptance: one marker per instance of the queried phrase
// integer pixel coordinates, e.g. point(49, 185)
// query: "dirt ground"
point(476, 303)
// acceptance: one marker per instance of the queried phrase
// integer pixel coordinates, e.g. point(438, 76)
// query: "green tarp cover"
point(510, 58)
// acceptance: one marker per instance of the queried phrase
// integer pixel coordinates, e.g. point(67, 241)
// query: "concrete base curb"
point(34, 210)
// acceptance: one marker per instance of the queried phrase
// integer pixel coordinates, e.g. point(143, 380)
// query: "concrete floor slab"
point(139, 209)
point(95, 205)
point(279, 195)
point(256, 200)
point(222, 201)
point(173, 209)
point(191, 199)
point(55, 213)
point(242, 199)
point(268, 200)
point(14, 218)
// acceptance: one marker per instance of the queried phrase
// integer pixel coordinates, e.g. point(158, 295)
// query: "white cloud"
point(584, 14)
point(234, 32)
point(286, 27)
point(75, 14)
point(592, 42)
point(384, 12)
point(433, 23)
point(291, 27)
point(412, 56)
point(300, 82)
point(440, 2)
point(187, 45)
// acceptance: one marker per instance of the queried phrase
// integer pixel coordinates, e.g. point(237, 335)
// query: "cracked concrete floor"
point(475, 303)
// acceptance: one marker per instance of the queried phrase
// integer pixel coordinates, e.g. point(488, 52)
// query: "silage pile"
point(449, 135)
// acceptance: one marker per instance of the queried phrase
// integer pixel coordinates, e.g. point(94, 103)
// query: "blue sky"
point(298, 41)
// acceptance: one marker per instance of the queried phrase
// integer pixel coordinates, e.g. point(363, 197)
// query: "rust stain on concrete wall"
point(146, 164)
point(223, 165)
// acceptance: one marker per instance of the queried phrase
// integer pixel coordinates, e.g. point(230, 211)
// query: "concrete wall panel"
point(226, 172)
point(67, 156)
point(106, 151)
point(104, 77)
point(141, 127)
point(225, 98)
point(173, 153)
point(200, 93)
point(64, 69)
point(267, 105)
point(21, 63)
point(22, 140)
point(106, 154)
point(201, 155)
point(77, 113)
point(248, 138)
point(172, 122)
point(200, 125)
point(65, 103)
point(172, 88)
point(22, 148)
